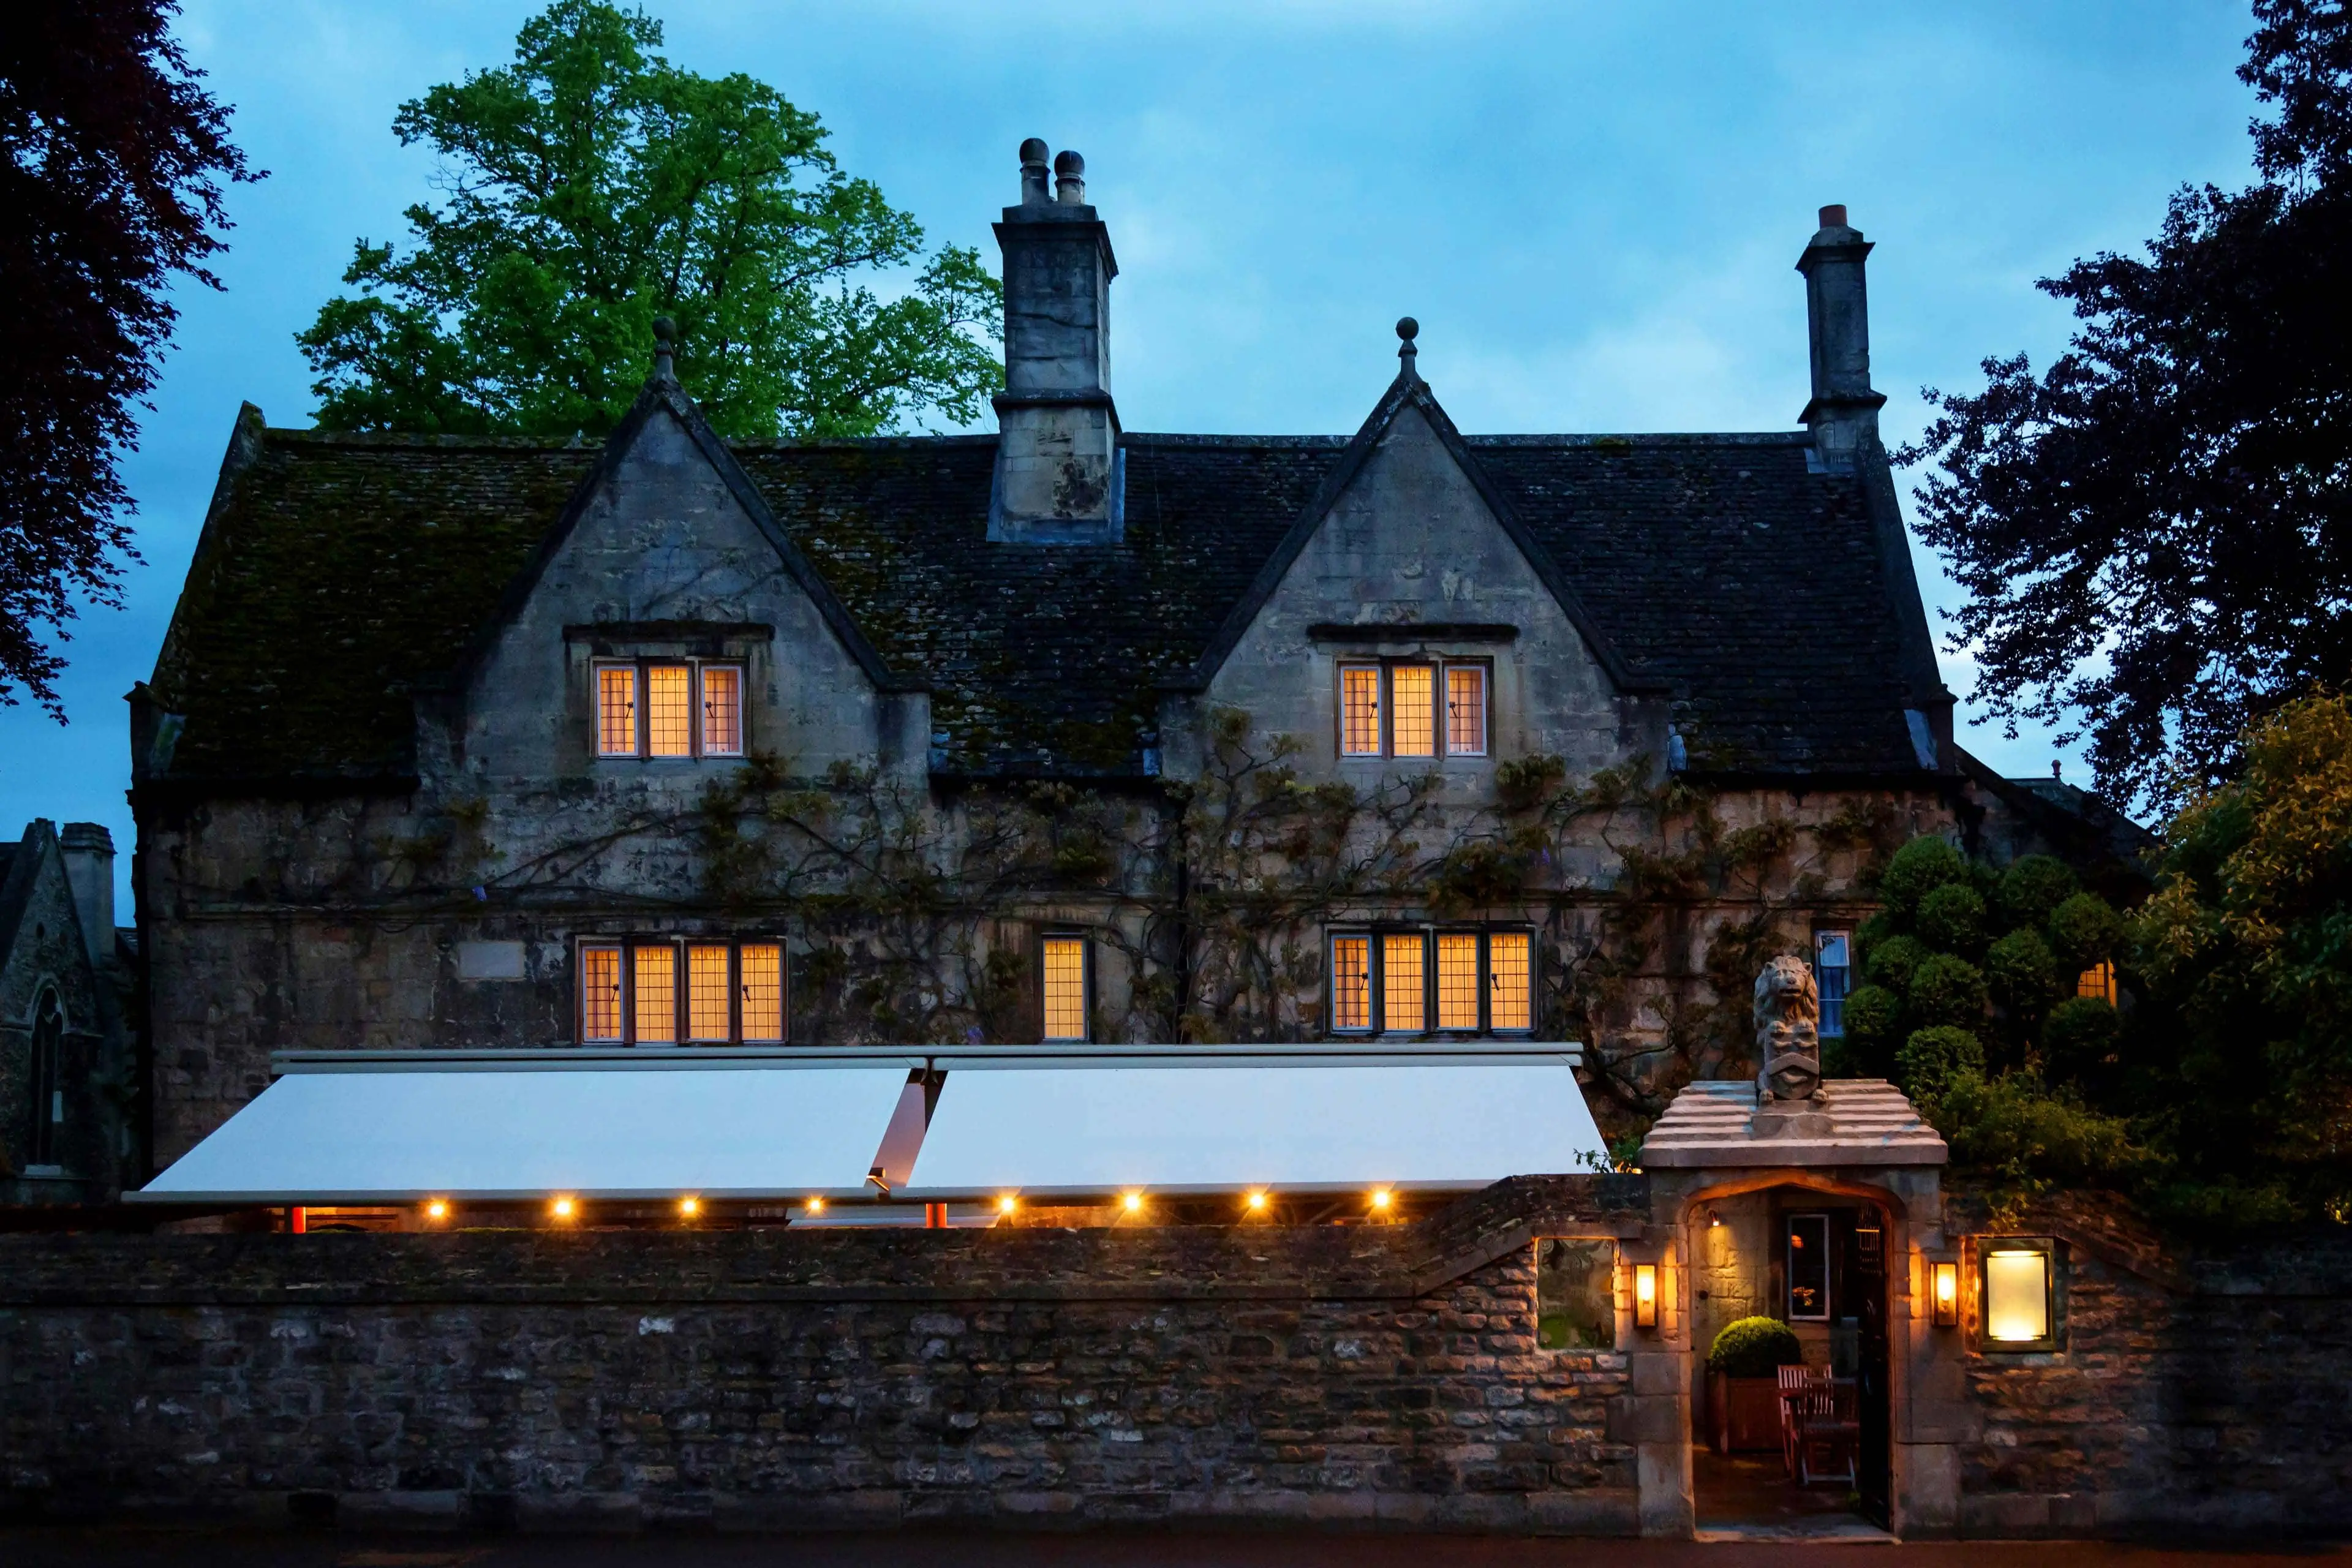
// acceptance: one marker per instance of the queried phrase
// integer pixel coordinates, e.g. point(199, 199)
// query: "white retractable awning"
point(1312, 1122)
point(324, 1135)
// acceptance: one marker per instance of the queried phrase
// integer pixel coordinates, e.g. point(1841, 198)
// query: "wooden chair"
point(1797, 1383)
point(1828, 1432)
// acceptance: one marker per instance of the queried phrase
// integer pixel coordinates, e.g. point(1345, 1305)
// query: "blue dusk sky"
point(1594, 209)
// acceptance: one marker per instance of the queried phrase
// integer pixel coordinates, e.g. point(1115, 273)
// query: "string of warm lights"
point(563, 1208)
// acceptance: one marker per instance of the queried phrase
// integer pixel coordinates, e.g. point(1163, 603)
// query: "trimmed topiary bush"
point(1873, 1027)
point(1754, 1347)
point(1952, 918)
point(2033, 887)
point(2022, 972)
point(2079, 1036)
point(1890, 961)
point(2084, 929)
point(1947, 990)
point(1917, 869)
point(1932, 1058)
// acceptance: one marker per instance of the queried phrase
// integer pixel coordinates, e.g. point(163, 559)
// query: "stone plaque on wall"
point(1576, 1301)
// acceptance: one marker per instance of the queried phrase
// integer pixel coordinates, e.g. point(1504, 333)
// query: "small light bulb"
point(1381, 1198)
point(1007, 1203)
point(816, 1205)
point(1257, 1200)
point(1134, 1202)
point(563, 1208)
point(436, 1209)
point(689, 1207)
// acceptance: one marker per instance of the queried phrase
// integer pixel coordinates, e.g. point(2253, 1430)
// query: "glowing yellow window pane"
point(1351, 982)
point(656, 974)
point(722, 710)
point(1457, 982)
point(1065, 988)
point(1359, 706)
point(1465, 710)
point(764, 991)
point(2098, 981)
point(1508, 1002)
point(1412, 712)
point(616, 712)
point(2017, 1297)
point(706, 992)
point(600, 992)
point(669, 711)
point(1401, 998)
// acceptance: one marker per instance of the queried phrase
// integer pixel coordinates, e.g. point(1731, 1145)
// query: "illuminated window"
point(653, 971)
point(600, 994)
point(1833, 973)
point(722, 710)
point(1359, 701)
point(1351, 982)
point(706, 992)
point(616, 710)
point(763, 967)
point(1402, 1002)
point(1065, 988)
point(2098, 981)
point(1412, 710)
point(1457, 980)
point(1809, 1268)
point(645, 991)
point(1510, 1001)
point(1465, 710)
point(669, 708)
point(2017, 1295)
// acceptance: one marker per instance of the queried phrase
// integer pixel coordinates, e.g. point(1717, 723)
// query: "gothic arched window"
point(48, 1107)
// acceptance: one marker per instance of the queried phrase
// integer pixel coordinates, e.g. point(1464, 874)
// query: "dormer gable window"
point(669, 708)
point(1413, 708)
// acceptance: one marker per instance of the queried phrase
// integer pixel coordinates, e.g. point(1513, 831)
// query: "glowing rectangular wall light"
point(1946, 1290)
point(1645, 1295)
point(2016, 1296)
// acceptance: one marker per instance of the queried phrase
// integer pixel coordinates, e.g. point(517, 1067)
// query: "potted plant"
point(1743, 1381)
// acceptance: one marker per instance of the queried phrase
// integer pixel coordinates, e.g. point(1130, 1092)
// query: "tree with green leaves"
point(591, 186)
point(2155, 531)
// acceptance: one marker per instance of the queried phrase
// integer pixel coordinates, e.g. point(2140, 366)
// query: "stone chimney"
point(88, 852)
point(1844, 413)
point(1058, 477)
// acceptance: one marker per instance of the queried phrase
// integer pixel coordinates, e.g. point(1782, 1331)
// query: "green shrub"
point(2084, 929)
point(1754, 1347)
point(1917, 869)
point(1951, 918)
point(2030, 1137)
point(1890, 962)
point(1931, 1058)
point(2033, 887)
point(1947, 990)
point(1874, 1024)
point(1874, 931)
point(2079, 1038)
point(2022, 972)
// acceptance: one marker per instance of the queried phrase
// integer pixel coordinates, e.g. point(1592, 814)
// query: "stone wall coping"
point(1851, 1121)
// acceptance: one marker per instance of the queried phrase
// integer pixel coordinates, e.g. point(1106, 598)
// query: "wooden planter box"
point(1745, 1413)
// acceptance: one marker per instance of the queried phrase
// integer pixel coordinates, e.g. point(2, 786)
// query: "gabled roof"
point(338, 573)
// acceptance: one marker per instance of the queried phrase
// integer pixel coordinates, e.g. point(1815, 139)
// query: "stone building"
point(1064, 732)
point(69, 1080)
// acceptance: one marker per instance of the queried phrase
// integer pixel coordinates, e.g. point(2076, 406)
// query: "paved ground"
point(118, 1549)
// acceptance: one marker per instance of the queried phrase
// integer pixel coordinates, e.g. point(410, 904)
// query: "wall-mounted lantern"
point(1945, 1282)
point(2016, 1303)
point(1645, 1295)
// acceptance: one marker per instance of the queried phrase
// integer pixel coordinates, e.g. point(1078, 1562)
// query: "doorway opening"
point(1801, 1450)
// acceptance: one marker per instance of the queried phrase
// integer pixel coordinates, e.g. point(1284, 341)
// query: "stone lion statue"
point(1788, 1031)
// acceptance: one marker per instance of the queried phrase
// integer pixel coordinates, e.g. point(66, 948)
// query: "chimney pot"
point(1033, 156)
point(1069, 178)
point(1833, 215)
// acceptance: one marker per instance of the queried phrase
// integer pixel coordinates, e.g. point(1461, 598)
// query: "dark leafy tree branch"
point(591, 186)
point(2155, 532)
point(113, 166)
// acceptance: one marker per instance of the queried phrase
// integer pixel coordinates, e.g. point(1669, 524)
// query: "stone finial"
point(664, 337)
point(1035, 154)
point(1788, 1031)
point(1069, 179)
point(1407, 330)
